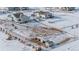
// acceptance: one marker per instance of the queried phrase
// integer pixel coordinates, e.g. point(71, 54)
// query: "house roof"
point(42, 12)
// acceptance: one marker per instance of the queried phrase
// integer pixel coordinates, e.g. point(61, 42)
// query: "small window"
point(38, 39)
point(12, 24)
point(43, 41)
point(15, 27)
point(35, 39)
point(19, 39)
point(15, 37)
point(19, 19)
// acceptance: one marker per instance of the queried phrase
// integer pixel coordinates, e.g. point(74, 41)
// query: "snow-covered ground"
point(73, 46)
point(11, 45)
point(62, 20)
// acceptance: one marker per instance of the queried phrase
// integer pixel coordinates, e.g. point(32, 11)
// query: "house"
point(60, 8)
point(19, 17)
point(42, 14)
point(25, 8)
point(67, 8)
point(3, 10)
point(13, 8)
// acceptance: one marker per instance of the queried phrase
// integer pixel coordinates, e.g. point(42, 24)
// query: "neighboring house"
point(60, 8)
point(17, 8)
point(19, 17)
point(25, 8)
point(13, 8)
point(67, 8)
point(42, 14)
point(3, 10)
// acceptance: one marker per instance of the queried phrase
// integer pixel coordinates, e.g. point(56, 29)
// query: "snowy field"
point(73, 46)
point(62, 20)
point(11, 45)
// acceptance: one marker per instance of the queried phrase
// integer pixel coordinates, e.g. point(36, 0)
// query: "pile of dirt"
point(45, 31)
